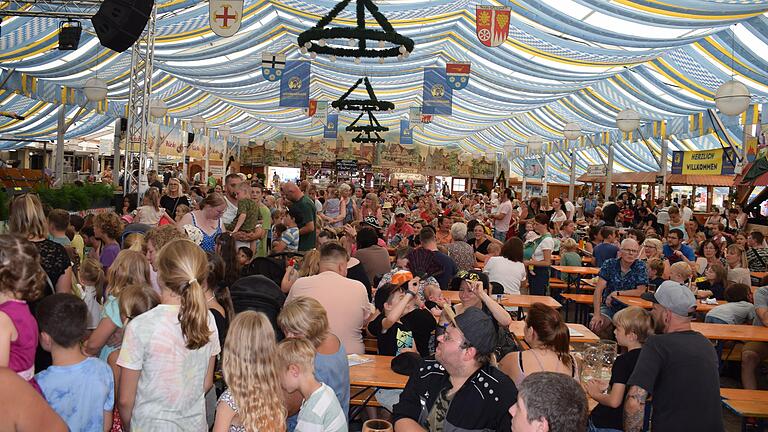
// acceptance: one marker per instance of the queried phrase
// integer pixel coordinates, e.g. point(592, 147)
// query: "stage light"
point(69, 35)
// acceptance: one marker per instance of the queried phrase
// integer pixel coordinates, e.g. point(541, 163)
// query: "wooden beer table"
point(518, 329)
point(511, 300)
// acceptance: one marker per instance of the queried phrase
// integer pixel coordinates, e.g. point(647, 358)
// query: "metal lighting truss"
point(80, 9)
point(142, 54)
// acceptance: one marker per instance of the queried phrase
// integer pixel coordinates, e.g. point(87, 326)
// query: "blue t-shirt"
point(449, 270)
point(80, 393)
point(684, 248)
point(604, 252)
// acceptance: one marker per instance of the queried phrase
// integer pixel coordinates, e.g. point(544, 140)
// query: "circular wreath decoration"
point(314, 39)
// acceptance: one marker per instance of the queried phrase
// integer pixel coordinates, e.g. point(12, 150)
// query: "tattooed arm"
point(634, 408)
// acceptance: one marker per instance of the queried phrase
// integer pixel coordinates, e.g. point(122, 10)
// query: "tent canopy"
point(564, 61)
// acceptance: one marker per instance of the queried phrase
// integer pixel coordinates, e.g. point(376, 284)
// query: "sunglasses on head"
point(463, 274)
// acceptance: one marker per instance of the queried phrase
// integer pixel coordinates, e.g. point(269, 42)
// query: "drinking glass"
point(377, 426)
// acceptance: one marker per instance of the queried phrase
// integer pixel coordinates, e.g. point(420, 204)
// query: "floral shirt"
point(618, 281)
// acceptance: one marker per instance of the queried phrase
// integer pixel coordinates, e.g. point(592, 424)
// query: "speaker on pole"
point(119, 23)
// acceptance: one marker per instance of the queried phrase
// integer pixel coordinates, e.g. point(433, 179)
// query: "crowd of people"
point(232, 307)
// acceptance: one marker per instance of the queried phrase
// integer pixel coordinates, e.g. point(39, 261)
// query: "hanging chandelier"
point(367, 134)
point(360, 38)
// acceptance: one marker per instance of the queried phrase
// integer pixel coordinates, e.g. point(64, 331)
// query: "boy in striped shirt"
point(320, 410)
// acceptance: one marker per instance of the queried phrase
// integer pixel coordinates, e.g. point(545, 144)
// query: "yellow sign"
point(707, 162)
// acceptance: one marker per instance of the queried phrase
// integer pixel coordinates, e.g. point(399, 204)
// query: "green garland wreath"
point(309, 38)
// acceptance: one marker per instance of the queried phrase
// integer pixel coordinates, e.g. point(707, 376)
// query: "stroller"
point(272, 267)
point(258, 293)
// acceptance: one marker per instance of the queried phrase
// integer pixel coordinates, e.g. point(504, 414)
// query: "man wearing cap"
point(678, 367)
point(459, 389)
point(400, 227)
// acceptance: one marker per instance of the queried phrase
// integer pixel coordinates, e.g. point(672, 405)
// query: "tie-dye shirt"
point(170, 394)
point(80, 393)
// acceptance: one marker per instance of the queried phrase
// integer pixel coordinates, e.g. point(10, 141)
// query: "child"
point(244, 256)
point(172, 346)
point(287, 232)
point(254, 399)
point(130, 267)
point(494, 249)
point(738, 310)
point(401, 325)
point(569, 257)
point(718, 237)
point(79, 388)
point(58, 222)
point(134, 300)
point(247, 215)
point(21, 280)
point(91, 277)
point(713, 285)
point(321, 410)
point(633, 326)
point(607, 249)
point(150, 212)
point(655, 272)
point(181, 210)
point(277, 238)
point(679, 273)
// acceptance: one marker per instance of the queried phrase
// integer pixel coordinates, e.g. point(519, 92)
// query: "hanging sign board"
point(706, 162)
point(346, 165)
point(597, 170)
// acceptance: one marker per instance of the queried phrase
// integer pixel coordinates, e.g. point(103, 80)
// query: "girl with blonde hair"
point(92, 279)
point(130, 267)
point(168, 353)
point(305, 317)
point(254, 399)
point(150, 212)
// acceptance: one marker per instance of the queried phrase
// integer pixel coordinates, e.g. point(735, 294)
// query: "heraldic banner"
point(437, 95)
point(406, 133)
point(294, 85)
point(492, 24)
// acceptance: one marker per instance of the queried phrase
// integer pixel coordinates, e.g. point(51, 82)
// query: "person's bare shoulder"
point(24, 409)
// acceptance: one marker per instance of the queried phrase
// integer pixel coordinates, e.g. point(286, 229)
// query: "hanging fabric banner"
point(492, 24)
point(312, 109)
point(406, 134)
point(294, 86)
point(707, 162)
point(321, 112)
point(458, 74)
point(272, 66)
point(437, 96)
point(532, 168)
point(414, 115)
point(225, 16)
point(331, 128)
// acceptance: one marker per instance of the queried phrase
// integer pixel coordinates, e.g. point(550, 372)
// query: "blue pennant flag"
point(437, 95)
point(331, 129)
point(406, 133)
point(294, 85)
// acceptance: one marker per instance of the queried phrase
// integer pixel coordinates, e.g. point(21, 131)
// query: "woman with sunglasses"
point(173, 198)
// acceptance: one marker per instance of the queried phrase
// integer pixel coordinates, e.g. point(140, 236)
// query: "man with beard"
point(678, 367)
point(459, 389)
point(231, 181)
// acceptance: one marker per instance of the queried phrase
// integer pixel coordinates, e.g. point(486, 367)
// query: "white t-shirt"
point(570, 210)
point(229, 213)
point(170, 392)
point(546, 244)
point(662, 218)
point(508, 273)
point(686, 213)
point(502, 225)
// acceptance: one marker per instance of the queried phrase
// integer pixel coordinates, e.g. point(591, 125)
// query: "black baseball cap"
point(478, 330)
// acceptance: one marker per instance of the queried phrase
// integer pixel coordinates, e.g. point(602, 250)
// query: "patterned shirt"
point(80, 393)
point(618, 281)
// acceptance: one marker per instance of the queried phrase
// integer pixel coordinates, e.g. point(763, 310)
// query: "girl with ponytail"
point(168, 353)
point(549, 339)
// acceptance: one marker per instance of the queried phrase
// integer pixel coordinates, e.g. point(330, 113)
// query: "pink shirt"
point(345, 301)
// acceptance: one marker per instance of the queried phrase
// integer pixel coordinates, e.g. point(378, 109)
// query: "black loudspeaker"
point(119, 23)
point(190, 137)
point(123, 124)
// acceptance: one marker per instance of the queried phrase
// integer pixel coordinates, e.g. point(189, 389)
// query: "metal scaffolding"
point(75, 9)
point(142, 55)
